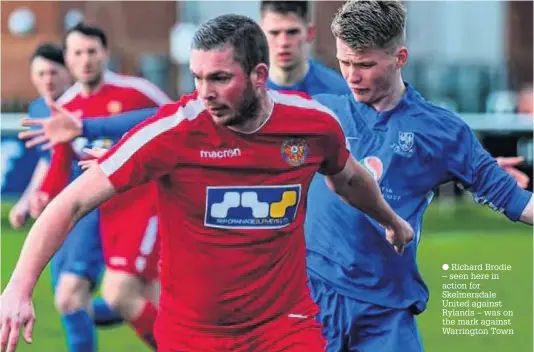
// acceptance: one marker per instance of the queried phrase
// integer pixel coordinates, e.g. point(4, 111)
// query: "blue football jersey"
point(38, 109)
point(319, 80)
point(410, 150)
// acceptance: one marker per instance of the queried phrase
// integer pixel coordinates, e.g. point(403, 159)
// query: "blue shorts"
point(357, 326)
point(81, 253)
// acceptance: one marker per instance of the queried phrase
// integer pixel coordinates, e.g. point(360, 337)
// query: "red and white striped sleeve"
point(153, 148)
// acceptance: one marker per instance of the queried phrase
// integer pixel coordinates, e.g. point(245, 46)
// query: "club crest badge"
point(294, 151)
point(406, 141)
point(114, 107)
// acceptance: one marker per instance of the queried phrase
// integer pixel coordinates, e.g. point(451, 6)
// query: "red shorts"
point(130, 238)
point(283, 334)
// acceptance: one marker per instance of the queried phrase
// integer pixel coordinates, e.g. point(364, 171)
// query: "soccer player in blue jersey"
point(368, 294)
point(289, 31)
point(50, 78)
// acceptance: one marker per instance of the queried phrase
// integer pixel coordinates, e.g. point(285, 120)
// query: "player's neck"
point(286, 78)
point(91, 88)
point(266, 105)
point(392, 97)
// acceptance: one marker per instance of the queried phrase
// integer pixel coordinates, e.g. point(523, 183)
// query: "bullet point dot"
point(445, 266)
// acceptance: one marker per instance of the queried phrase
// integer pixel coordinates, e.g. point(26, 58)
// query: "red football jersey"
point(231, 207)
point(117, 94)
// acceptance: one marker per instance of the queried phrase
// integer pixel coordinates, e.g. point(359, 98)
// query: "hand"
point(63, 126)
point(509, 165)
point(399, 235)
point(38, 202)
point(95, 153)
point(16, 311)
point(18, 214)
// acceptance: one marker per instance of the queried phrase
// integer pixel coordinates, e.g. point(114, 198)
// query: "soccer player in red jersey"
point(128, 222)
point(233, 163)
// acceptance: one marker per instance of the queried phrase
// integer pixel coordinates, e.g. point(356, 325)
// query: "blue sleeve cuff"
point(517, 203)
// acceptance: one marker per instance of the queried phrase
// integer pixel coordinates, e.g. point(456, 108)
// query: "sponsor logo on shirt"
point(294, 151)
point(374, 165)
point(251, 207)
point(220, 153)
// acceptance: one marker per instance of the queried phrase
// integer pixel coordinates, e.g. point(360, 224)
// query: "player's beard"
point(93, 82)
point(247, 109)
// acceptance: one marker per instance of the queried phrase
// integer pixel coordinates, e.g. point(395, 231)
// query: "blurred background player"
point(128, 222)
point(50, 78)
point(289, 32)
point(410, 146)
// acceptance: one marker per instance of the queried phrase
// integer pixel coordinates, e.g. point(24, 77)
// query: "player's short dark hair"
point(368, 24)
point(87, 30)
point(299, 8)
point(50, 52)
point(242, 33)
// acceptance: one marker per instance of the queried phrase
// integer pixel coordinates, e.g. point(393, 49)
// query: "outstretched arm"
point(115, 126)
point(489, 183)
point(65, 126)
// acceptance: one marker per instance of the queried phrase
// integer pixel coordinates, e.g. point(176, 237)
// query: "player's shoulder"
point(186, 110)
point(331, 79)
point(305, 111)
point(176, 118)
point(35, 106)
point(431, 121)
point(70, 94)
point(432, 115)
point(339, 104)
point(300, 101)
point(138, 84)
point(122, 80)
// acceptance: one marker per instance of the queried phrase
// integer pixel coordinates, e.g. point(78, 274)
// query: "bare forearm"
point(51, 228)
point(527, 215)
point(359, 189)
point(43, 240)
point(39, 174)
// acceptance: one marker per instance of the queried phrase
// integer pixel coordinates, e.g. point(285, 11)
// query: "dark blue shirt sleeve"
point(478, 171)
point(34, 113)
point(116, 125)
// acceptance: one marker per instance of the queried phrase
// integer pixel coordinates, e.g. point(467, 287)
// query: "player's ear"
point(310, 33)
point(402, 56)
point(260, 75)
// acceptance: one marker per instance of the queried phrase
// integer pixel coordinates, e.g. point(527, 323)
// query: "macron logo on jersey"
point(221, 153)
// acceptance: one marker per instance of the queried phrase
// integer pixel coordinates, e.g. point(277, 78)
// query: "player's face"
point(227, 91)
point(372, 73)
point(86, 58)
point(286, 35)
point(49, 78)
